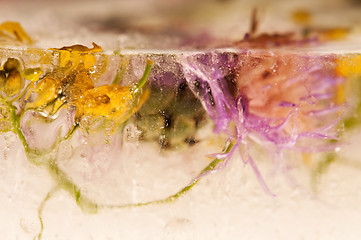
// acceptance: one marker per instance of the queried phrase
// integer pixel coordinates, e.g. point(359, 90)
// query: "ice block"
point(151, 130)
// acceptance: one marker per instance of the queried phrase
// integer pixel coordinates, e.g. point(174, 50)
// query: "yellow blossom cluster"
point(77, 88)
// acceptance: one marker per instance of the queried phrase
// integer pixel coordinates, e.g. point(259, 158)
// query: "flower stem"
point(67, 184)
point(143, 80)
point(40, 211)
point(208, 169)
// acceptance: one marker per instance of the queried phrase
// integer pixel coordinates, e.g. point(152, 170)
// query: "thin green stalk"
point(321, 168)
point(32, 154)
point(17, 129)
point(40, 211)
point(143, 80)
point(67, 184)
point(208, 169)
point(59, 176)
point(71, 131)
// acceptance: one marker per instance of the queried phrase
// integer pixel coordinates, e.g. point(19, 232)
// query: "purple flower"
point(272, 98)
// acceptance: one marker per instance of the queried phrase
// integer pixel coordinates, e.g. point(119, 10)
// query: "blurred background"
point(166, 22)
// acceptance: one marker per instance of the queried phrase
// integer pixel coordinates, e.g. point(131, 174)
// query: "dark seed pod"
point(13, 83)
point(11, 64)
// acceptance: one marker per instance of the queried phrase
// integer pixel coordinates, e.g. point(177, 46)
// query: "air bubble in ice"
point(84, 153)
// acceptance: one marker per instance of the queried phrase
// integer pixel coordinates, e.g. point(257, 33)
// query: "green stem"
point(321, 168)
point(70, 132)
point(40, 211)
point(143, 80)
point(32, 154)
point(17, 128)
point(59, 176)
point(67, 184)
point(208, 169)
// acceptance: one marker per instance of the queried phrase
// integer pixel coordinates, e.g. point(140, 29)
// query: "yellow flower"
point(46, 91)
point(350, 68)
point(349, 65)
point(78, 55)
point(70, 89)
point(74, 87)
point(14, 30)
point(109, 101)
point(302, 17)
point(112, 101)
